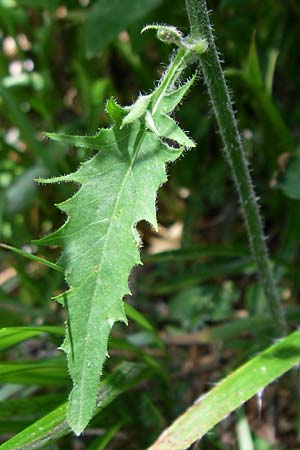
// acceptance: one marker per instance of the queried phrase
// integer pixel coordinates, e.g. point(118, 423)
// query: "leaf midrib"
point(105, 240)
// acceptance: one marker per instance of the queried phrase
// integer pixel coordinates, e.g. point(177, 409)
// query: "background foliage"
point(201, 311)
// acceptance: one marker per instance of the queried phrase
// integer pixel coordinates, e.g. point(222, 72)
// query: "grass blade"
point(46, 372)
point(230, 393)
point(32, 257)
point(54, 425)
point(13, 335)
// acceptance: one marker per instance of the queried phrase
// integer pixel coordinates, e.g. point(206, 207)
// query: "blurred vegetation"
point(59, 62)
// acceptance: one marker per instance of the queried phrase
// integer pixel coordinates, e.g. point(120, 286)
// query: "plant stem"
point(173, 73)
point(234, 153)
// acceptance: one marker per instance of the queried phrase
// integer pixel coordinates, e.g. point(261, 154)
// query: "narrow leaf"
point(54, 425)
point(102, 442)
point(46, 372)
point(252, 66)
point(35, 258)
point(13, 335)
point(139, 318)
point(29, 406)
point(230, 393)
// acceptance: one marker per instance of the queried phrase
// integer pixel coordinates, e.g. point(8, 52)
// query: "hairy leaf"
point(99, 239)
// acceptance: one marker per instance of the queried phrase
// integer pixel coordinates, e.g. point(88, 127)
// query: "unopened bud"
point(166, 33)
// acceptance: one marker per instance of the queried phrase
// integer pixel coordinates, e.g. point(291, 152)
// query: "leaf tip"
point(77, 430)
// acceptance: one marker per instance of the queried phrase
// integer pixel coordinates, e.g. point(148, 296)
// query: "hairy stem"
point(171, 75)
point(234, 153)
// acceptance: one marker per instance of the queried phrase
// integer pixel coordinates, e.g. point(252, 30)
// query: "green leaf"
point(101, 244)
point(171, 100)
point(261, 90)
point(163, 125)
point(230, 393)
point(270, 71)
point(26, 407)
point(32, 257)
point(252, 66)
point(55, 425)
point(243, 432)
point(46, 372)
point(137, 110)
point(102, 442)
point(119, 180)
point(106, 19)
point(13, 335)
point(139, 318)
